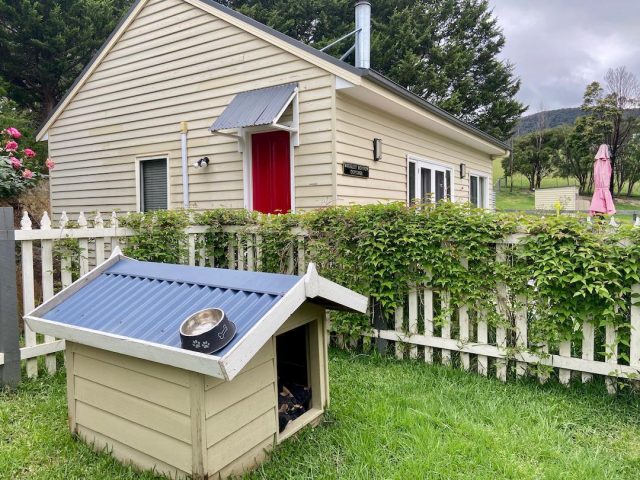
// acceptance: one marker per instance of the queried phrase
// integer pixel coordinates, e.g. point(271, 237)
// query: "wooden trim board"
point(175, 357)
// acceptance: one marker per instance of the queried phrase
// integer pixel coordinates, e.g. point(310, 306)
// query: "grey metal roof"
point(149, 301)
point(255, 107)
point(372, 75)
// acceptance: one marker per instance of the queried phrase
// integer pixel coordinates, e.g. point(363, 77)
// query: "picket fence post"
point(501, 332)
point(428, 321)
point(9, 331)
point(634, 350)
point(66, 276)
point(84, 246)
point(47, 282)
point(28, 293)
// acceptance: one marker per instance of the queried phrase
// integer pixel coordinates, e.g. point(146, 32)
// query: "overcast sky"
point(559, 46)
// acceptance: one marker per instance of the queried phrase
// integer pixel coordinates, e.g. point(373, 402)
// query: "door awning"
point(257, 108)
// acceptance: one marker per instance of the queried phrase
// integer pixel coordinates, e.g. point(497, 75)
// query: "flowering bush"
point(19, 167)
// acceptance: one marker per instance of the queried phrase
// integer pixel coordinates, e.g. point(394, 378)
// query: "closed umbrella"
point(602, 201)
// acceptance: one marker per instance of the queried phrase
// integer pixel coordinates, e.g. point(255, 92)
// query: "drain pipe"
point(184, 131)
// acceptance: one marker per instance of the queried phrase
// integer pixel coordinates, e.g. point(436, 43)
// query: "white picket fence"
point(509, 345)
point(95, 240)
point(464, 338)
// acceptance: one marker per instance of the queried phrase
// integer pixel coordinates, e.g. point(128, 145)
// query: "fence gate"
point(9, 334)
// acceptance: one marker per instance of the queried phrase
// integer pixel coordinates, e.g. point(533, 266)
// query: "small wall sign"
point(355, 170)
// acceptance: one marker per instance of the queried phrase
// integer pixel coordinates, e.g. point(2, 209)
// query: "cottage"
point(133, 389)
point(191, 104)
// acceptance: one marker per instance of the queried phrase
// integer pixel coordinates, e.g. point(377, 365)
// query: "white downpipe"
point(184, 133)
point(363, 34)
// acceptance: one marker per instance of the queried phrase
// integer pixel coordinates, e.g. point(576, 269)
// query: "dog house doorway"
point(300, 373)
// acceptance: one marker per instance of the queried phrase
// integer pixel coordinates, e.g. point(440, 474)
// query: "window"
point(153, 185)
point(478, 191)
point(428, 182)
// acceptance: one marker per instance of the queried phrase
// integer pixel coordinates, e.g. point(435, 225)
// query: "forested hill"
point(554, 118)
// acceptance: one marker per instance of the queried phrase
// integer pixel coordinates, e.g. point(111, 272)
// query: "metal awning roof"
point(136, 309)
point(255, 108)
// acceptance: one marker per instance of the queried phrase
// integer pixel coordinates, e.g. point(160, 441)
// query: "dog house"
point(134, 390)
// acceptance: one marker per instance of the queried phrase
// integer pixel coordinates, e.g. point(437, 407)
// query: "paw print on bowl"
point(206, 345)
point(196, 344)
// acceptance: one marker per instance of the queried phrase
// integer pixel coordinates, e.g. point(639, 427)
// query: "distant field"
point(521, 198)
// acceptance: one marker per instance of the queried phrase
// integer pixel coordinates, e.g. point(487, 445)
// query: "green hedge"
point(570, 271)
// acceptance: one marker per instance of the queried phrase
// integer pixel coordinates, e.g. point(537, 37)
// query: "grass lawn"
point(388, 420)
point(521, 198)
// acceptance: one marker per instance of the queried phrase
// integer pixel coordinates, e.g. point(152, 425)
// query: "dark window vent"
point(153, 188)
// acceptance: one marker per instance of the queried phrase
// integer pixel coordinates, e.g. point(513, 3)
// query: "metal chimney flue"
point(363, 34)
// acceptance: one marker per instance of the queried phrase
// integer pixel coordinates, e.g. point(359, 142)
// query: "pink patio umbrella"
point(602, 201)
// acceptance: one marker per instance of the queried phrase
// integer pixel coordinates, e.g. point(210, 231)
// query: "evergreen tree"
point(45, 44)
point(445, 51)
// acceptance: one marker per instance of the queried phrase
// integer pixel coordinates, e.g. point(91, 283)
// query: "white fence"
point(416, 336)
point(95, 241)
point(464, 338)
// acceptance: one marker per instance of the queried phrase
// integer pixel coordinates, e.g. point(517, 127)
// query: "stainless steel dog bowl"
point(207, 331)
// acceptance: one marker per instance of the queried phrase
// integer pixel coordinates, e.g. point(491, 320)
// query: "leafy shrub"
point(568, 270)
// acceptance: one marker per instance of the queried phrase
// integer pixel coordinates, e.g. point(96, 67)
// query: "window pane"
point(440, 185)
point(153, 176)
point(448, 185)
point(482, 193)
point(412, 182)
point(473, 190)
point(425, 184)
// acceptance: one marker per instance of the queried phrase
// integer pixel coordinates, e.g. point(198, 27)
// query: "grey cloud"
point(559, 46)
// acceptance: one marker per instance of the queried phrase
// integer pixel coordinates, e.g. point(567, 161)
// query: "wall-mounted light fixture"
point(377, 149)
point(202, 163)
point(463, 170)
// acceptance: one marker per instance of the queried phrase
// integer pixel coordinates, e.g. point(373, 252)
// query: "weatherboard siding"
point(241, 415)
point(174, 63)
point(132, 407)
point(358, 124)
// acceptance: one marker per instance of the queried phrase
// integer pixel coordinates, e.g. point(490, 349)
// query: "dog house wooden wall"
point(182, 413)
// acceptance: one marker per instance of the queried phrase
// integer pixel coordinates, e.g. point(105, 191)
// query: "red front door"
point(271, 172)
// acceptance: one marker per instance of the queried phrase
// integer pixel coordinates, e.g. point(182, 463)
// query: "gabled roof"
point(136, 308)
point(323, 60)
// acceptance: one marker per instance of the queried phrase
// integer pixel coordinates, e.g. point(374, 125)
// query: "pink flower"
point(50, 164)
point(11, 146)
point(15, 163)
point(13, 132)
point(27, 174)
point(29, 153)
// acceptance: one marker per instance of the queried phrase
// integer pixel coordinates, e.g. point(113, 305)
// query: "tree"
point(609, 111)
point(445, 51)
point(46, 43)
point(632, 162)
point(579, 144)
point(536, 154)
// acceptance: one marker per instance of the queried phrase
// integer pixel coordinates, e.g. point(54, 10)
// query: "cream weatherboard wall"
point(174, 63)
point(357, 124)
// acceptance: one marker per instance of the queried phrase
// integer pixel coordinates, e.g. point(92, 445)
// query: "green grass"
point(388, 420)
point(521, 198)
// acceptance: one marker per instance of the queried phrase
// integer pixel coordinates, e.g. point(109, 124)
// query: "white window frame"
point(138, 161)
point(478, 175)
point(247, 161)
point(433, 165)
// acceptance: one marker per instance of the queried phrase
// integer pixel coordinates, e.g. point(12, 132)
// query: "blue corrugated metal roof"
point(255, 107)
point(149, 301)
